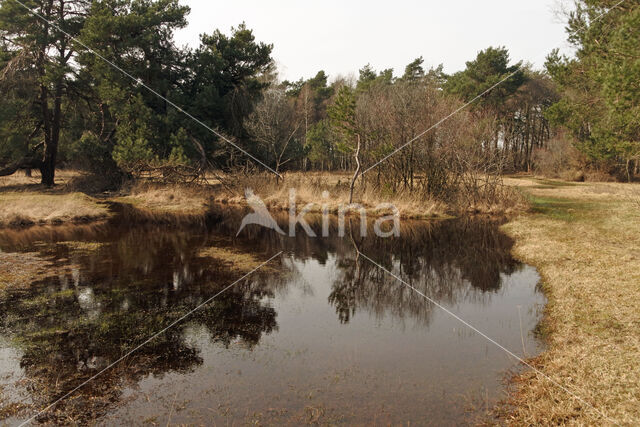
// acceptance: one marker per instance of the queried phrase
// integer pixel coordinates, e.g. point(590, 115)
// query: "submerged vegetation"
point(19, 270)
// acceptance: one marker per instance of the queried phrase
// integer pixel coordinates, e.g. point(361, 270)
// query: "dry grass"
point(27, 208)
point(19, 180)
point(23, 201)
point(174, 199)
point(310, 186)
point(309, 189)
point(156, 198)
point(154, 201)
point(585, 241)
point(196, 199)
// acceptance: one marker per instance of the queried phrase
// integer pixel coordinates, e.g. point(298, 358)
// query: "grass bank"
point(170, 200)
point(318, 189)
point(26, 208)
point(585, 241)
point(24, 202)
point(312, 187)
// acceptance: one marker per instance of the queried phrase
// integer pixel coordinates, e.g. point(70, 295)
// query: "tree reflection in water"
point(440, 261)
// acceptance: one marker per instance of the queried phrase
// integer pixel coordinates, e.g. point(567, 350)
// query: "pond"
point(318, 335)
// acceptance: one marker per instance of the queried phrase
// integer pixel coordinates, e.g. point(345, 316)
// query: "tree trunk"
point(48, 172)
point(48, 167)
point(630, 167)
point(355, 175)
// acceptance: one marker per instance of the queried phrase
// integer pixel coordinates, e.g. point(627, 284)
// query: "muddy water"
point(319, 336)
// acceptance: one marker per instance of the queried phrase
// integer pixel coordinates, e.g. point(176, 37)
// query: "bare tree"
point(356, 156)
point(453, 160)
point(274, 125)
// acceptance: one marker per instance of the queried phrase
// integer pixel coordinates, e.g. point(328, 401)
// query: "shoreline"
point(27, 204)
point(581, 238)
point(139, 214)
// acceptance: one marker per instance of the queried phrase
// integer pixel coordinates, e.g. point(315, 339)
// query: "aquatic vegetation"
point(234, 259)
point(20, 269)
point(83, 246)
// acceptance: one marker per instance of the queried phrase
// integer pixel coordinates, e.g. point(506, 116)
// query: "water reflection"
point(120, 285)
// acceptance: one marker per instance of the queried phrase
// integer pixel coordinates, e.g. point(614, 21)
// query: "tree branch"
point(24, 163)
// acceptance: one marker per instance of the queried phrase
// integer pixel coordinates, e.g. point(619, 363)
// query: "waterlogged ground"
point(320, 335)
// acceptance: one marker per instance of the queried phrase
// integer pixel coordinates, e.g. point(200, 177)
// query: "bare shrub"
point(309, 188)
point(454, 161)
point(274, 124)
point(560, 159)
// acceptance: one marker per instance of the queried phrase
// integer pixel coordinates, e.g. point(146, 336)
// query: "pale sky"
point(342, 36)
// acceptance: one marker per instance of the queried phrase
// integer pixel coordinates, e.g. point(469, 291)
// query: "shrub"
point(560, 159)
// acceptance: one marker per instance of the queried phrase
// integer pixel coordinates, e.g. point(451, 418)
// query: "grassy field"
point(584, 238)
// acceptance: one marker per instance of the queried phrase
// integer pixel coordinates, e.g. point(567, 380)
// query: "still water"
point(320, 335)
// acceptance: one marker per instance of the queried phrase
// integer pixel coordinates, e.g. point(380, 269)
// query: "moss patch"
point(83, 246)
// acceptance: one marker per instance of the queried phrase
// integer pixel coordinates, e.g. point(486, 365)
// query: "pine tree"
point(601, 85)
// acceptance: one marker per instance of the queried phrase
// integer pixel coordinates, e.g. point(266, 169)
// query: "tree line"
point(95, 84)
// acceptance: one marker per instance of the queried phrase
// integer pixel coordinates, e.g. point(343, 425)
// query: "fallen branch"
point(24, 163)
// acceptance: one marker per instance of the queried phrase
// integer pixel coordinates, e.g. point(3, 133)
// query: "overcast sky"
point(342, 36)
